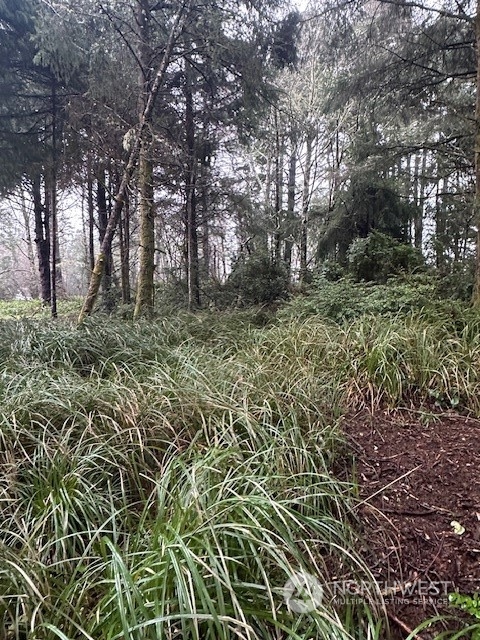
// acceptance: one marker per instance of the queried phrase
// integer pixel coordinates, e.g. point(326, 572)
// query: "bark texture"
point(191, 230)
point(305, 207)
point(145, 287)
point(290, 228)
point(102, 210)
point(42, 240)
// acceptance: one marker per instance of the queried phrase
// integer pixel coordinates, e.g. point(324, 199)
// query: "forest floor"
point(417, 473)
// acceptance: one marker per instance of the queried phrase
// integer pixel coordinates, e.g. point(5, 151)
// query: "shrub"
point(379, 256)
point(459, 283)
point(257, 280)
point(171, 296)
point(345, 300)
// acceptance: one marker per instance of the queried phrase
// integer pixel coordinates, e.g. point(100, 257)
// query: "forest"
point(239, 319)
point(176, 150)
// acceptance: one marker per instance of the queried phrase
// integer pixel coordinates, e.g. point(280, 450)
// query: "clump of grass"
point(36, 309)
point(413, 360)
point(159, 481)
point(100, 542)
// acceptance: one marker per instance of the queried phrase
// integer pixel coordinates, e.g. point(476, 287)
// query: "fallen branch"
point(404, 627)
point(405, 475)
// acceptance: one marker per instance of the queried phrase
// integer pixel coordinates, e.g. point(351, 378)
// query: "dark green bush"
point(379, 256)
point(257, 280)
point(345, 300)
point(459, 283)
point(330, 270)
point(171, 296)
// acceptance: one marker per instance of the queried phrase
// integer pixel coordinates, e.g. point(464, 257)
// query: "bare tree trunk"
point(406, 189)
point(193, 276)
point(60, 284)
point(91, 219)
point(144, 119)
point(263, 241)
point(206, 253)
point(278, 189)
point(103, 217)
point(145, 287)
point(125, 252)
point(305, 207)
point(42, 240)
point(440, 226)
point(223, 262)
point(292, 172)
point(418, 199)
point(52, 243)
point(51, 187)
point(205, 173)
point(334, 175)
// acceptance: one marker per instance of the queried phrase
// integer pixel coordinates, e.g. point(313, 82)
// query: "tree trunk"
point(206, 253)
point(440, 226)
point(205, 223)
point(305, 208)
point(193, 278)
point(476, 286)
point(264, 237)
point(102, 211)
point(125, 252)
point(51, 187)
point(290, 229)
point(145, 287)
point(406, 189)
point(91, 218)
point(419, 199)
point(337, 158)
point(42, 240)
point(277, 240)
point(144, 119)
point(60, 284)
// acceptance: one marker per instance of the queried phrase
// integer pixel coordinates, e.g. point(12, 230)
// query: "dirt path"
point(417, 474)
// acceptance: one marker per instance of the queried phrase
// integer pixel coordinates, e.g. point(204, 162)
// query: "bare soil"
point(418, 472)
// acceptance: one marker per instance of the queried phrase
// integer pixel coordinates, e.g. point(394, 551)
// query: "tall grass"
point(165, 480)
point(415, 359)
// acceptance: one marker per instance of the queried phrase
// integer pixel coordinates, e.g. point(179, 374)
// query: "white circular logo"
point(303, 593)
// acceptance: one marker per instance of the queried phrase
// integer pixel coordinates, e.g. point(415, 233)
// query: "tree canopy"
point(234, 132)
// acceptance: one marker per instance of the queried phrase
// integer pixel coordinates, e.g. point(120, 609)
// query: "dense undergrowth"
point(166, 479)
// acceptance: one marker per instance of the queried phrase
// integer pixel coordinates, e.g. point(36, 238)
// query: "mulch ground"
point(417, 473)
